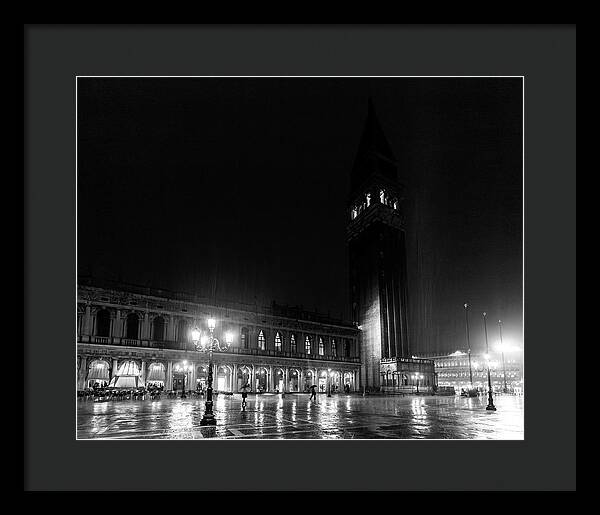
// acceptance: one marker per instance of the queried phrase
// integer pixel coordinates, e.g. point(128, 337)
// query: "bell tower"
point(377, 253)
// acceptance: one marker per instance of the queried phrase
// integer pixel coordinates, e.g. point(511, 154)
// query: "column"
point(145, 332)
point(301, 380)
point(169, 377)
point(87, 320)
point(270, 386)
point(192, 385)
point(215, 369)
point(114, 368)
point(143, 372)
point(171, 328)
point(118, 325)
point(252, 379)
point(234, 378)
point(82, 372)
point(285, 380)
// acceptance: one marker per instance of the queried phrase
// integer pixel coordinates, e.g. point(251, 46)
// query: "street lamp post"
point(490, 406)
point(328, 382)
point(468, 344)
point(204, 344)
point(502, 352)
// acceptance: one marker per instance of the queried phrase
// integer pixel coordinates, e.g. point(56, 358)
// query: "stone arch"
point(244, 338)
point(244, 377)
point(348, 379)
point(309, 379)
point(103, 322)
point(278, 379)
point(183, 330)
point(335, 381)
point(294, 380)
point(158, 328)
point(262, 340)
point(278, 341)
point(308, 344)
point(223, 382)
point(156, 374)
point(98, 373)
point(261, 379)
point(132, 326)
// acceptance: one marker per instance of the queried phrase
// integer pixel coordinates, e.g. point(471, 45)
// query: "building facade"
point(378, 269)
point(453, 370)
point(144, 335)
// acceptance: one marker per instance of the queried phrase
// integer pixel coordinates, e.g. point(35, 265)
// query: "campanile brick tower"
point(377, 252)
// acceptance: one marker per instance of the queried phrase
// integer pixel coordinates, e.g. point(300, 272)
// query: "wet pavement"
point(294, 416)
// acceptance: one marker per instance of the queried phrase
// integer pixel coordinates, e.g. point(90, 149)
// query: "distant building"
point(453, 370)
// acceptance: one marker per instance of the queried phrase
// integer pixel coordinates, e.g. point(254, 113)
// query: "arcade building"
point(130, 336)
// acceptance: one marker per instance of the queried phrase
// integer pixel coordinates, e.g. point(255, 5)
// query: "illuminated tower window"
point(278, 342)
point(321, 347)
point(368, 199)
point(354, 213)
point(333, 347)
point(262, 342)
point(382, 196)
point(293, 346)
point(244, 338)
point(307, 345)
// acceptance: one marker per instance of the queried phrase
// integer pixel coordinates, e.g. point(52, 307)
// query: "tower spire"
point(375, 155)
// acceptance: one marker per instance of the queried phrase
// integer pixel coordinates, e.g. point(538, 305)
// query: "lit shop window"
point(262, 342)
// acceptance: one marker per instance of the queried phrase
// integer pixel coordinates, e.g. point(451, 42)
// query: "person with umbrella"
point(244, 396)
point(313, 392)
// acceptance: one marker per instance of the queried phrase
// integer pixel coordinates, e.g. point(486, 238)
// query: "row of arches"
point(132, 324)
point(226, 377)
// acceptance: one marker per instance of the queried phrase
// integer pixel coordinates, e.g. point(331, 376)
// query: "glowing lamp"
point(229, 338)
point(195, 334)
point(212, 323)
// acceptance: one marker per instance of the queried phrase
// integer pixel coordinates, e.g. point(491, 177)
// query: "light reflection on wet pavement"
point(270, 416)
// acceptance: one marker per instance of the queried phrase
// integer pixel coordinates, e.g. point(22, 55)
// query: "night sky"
point(237, 189)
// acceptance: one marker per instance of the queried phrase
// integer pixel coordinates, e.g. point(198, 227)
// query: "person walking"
point(313, 393)
point(244, 396)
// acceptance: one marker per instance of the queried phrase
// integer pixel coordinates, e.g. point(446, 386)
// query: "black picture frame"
point(55, 54)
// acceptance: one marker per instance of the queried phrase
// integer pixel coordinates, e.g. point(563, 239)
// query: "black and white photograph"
point(308, 257)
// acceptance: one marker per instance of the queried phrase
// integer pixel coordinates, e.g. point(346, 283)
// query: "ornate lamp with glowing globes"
point(205, 343)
